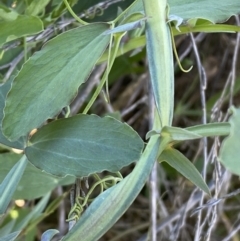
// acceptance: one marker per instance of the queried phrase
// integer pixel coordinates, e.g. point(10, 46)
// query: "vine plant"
point(82, 144)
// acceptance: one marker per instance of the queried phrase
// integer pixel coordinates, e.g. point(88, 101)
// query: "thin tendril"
point(176, 54)
point(73, 14)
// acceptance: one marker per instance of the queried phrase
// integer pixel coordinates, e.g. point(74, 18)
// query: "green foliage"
point(62, 77)
point(229, 152)
point(31, 190)
point(83, 145)
point(179, 162)
point(16, 26)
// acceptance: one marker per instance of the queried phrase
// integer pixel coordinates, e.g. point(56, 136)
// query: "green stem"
point(160, 58)
point(73, 14)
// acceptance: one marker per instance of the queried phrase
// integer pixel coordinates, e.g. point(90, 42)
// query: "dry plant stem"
point(143, 100)
point(13, 65)
point(203, 86)
point(129, 231)
point(233, 232)
point(142, 80)
point(72, 201)
point(107, 104)
point(193, 201)
point(61, 212)
point(234, 63)
point(163, 213)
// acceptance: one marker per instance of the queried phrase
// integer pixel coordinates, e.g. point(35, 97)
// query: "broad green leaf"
point(230, 149)
point(19, 144)
point(109, 206)
point(49, 234)
point(36, 7)
point(82, 145)
point(19, 27)
point(10, 237)
point(211, 129)
point(7, 14)
point(179, 162)
point(211, 10)
point(10, 182)
point(49, 80)
point(34, 183)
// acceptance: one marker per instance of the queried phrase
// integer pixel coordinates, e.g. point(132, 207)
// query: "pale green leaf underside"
point(213, 10)
point(179, 162)
point(230, 149)
point(34, 183)
point(50, 79)
point(22, 26)
point(84, 144)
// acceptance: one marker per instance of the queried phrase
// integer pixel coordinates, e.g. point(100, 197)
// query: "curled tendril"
point(82, 202)
point(176, 54)
point(97, 11)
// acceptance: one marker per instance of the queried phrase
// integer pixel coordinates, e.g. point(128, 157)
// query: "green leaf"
point(34, 183)
point(36, 7)
point(20, 143)
point(179, 162)
point(10, 182)
point(230, 149)
point(211, 10)
point(49, 234)
point(84, 144)
point(19, 27)
point(109, 206)
point(179, 134)
point(11, 236)
point(49, 80)
point(211, 129)
point(7, 14)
